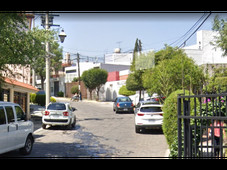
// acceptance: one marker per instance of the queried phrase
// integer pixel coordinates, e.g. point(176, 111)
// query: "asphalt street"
point(99, 132)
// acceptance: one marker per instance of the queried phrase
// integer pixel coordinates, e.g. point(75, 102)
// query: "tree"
point(176, 71)
point(39, 64)
point(137, 49)
point(218, 81)
point(125, 92)
point(134, 81)
point(101, 78)
point(19, 45)
point(94, 78)
point(75, 89)
point(220, 25)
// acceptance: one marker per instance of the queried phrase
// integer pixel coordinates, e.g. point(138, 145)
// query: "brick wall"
point(113, 76)
point(123, 77)
point(82, 88)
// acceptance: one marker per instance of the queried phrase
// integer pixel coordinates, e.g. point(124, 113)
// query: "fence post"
point(179, 127)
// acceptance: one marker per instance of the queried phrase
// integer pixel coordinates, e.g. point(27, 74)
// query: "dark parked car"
point(123, 104)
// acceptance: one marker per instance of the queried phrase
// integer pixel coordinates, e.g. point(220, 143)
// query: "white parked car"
point(148, 116)
point(15, 130)
point(59, 114)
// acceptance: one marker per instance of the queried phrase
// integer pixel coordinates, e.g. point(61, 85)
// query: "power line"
point(194, 31)
point(194, 25)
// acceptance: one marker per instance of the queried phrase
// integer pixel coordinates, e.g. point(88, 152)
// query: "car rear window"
point(56, 106)
point(150, 109)
point(124, 100)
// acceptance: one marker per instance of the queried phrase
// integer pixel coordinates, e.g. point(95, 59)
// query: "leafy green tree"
point(94, 78)
point(175, 71)
point(137, 49)
point(220, 25)
point(101, 78)
point(218, 81)
point(75, 89)
point(134, 81)
point(19, 45)
point(125, 92)
point(39, 63)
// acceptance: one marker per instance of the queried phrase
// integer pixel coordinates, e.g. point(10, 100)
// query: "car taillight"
point(161, 114)
point(132, 105)
point(66, 113)
point(118, 105)
point(140, 114)
point(47, 113)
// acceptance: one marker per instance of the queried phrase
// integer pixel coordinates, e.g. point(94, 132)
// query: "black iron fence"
point(202, 125)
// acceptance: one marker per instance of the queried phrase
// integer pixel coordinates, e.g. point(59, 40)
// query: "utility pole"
point(47, 21)
point(47, 63)
point(78, 63)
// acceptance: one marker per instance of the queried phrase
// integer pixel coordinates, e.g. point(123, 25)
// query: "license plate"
point(125, 109)
point(54, 115)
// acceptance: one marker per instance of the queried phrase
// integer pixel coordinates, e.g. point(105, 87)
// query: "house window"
point(4, 95)
point(21, 99)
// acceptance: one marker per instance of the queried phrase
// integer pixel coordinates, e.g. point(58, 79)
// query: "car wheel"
point(43, 126)
point(26, 150)
point(69, 126)
point(137, 129)
point(74, 122)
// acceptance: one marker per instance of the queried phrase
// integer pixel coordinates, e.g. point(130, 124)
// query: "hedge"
point(40, 99)
point(170, 127)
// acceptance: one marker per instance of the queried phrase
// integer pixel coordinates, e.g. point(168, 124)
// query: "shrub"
point(124, 91)
point(60, 94)
point(75, 89)
point(52, 100)
point(170, 127)
point(41, 99)
point(32, 97)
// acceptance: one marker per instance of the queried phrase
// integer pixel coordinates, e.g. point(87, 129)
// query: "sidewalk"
point(64, 99)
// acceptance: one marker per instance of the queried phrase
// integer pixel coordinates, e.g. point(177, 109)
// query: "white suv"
point(59, 114)
point(15, 130)
point(148, 116)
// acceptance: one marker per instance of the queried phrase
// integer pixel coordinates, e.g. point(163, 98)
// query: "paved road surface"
point(99, 132)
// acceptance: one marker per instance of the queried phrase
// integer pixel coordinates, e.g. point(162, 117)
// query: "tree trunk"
point(42, 82)
point(139, 95)
point(90, 94)
point(98, 89)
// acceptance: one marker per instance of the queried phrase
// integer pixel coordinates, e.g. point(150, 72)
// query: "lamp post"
point(47, 63)
point(62, 36)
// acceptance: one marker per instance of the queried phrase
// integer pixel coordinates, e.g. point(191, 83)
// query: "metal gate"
point(201, 125)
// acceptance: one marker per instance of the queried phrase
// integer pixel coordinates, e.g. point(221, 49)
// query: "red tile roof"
point(17, 83)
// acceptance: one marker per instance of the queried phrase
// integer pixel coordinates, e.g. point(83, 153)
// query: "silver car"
point(59, 114)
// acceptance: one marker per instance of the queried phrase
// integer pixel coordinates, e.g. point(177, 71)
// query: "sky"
point(95, 34)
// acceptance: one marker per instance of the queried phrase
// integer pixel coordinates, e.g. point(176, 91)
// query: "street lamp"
point(62, 36)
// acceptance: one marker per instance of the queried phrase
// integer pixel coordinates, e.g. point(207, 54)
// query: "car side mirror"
point(73, 108)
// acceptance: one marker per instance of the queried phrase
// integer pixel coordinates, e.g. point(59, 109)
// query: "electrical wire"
point(194, 25)
point(195, 31)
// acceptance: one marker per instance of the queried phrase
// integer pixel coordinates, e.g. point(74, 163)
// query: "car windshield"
point(150, 109)
point(124, 100)
point(56, 106)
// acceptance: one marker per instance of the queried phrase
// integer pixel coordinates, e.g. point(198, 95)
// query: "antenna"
point(119, 43)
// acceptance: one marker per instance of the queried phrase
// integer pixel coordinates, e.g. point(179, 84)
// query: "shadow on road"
point(152, 132)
